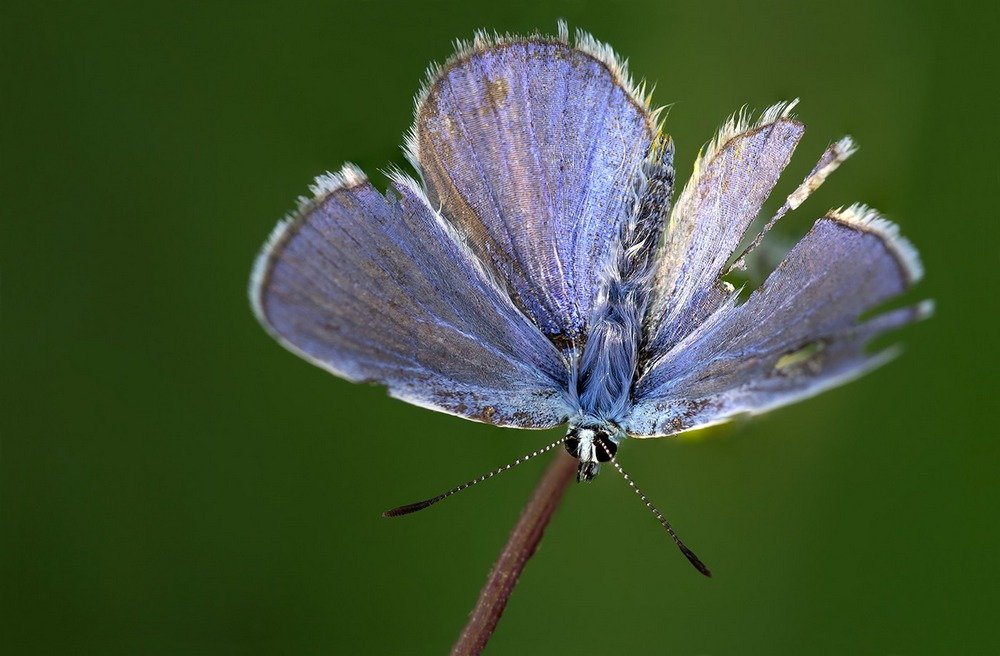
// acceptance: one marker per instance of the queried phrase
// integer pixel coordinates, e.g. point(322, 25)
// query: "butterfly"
point(539, 273)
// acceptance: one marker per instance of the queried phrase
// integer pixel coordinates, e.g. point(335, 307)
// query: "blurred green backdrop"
point(173, 482)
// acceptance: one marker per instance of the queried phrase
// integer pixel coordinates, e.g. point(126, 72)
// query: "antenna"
point(690, 555)
point(420, 505)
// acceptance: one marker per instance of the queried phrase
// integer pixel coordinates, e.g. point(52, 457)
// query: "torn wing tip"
point(925, 309)
point(741, 122)
point(349, 175)
point(845, 147)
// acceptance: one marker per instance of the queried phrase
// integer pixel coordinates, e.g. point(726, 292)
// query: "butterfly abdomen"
point(609, 360)
point(609, 357)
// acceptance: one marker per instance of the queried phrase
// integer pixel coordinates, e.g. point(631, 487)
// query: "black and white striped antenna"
point(420, 505)
point(690, 555)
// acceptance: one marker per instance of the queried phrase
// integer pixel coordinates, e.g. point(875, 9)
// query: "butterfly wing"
point(732, 178)
point(380, 289)
point(531, 147)
point(796, 335)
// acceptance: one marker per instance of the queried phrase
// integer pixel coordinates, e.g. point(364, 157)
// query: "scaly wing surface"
point(706, 357)
point(732, 178)
point(800, 333)
point(531, 147)
point(381, 289)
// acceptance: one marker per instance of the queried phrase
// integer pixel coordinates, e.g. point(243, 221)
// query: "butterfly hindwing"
point(380, 289)
point(801, 332)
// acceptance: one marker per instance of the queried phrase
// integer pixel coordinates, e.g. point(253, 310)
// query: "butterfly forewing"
point(531, 147)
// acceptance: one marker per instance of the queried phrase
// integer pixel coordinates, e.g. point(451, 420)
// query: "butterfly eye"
point(573, 446)
point(606, 448)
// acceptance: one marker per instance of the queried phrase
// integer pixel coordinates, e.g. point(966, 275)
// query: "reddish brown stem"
point(520, 547)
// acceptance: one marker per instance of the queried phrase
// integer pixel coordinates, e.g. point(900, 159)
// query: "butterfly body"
point(609, 363)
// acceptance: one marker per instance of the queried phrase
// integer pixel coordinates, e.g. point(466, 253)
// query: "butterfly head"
point(591, 445)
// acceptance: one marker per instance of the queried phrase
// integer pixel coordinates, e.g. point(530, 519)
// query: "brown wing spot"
point(497, 91)
point(487, 414)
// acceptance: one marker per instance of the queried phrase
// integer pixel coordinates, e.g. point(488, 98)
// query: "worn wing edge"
point(863, 218)
point(738, 124)
point(348, 177)
point(866, 219)
point(874, 362)
point(639, 93)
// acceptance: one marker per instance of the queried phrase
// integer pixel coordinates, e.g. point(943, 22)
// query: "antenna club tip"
point(410, 508)
point(694, 560)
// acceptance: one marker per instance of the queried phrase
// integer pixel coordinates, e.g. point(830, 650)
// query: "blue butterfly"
point(538, 273)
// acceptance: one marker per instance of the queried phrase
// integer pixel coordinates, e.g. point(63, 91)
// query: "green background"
point(173, 482)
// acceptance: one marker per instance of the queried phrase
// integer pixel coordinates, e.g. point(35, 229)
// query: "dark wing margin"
point(379, 288)
point(803, 331)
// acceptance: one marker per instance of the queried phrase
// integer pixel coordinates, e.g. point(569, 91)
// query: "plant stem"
point(520, 547)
